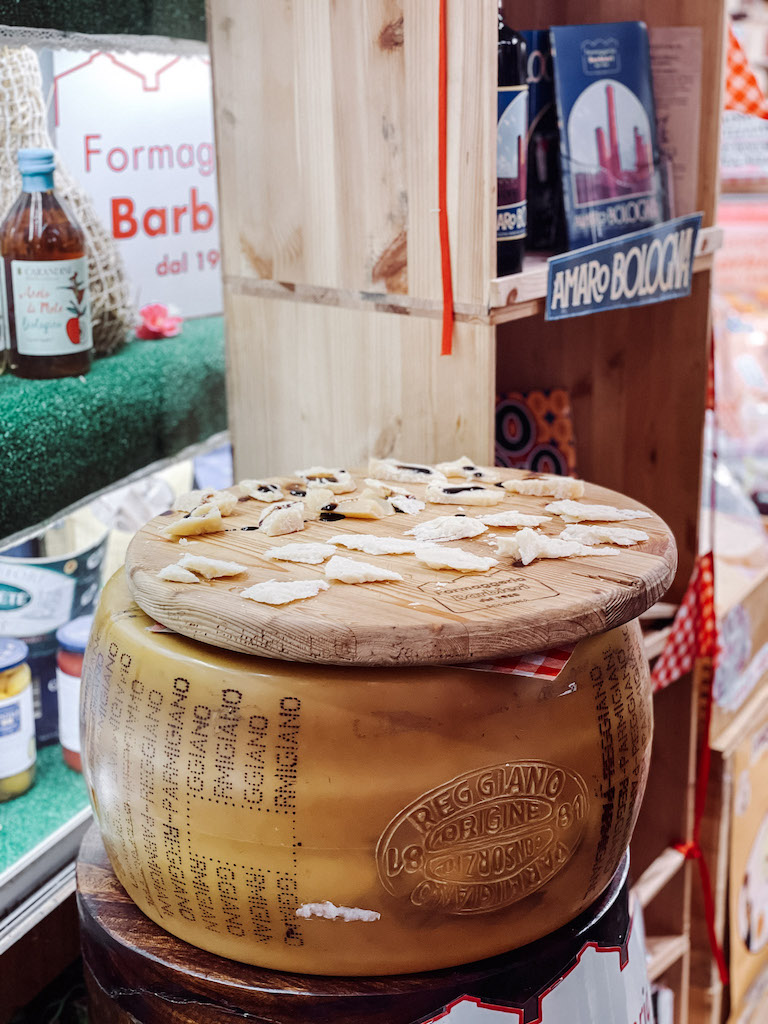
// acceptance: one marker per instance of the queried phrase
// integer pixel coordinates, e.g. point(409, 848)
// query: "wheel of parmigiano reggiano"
point(359, 820)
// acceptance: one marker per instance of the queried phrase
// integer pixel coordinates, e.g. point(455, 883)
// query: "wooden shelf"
point(664, 951)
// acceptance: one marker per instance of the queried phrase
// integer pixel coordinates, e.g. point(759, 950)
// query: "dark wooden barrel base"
point(139, 974)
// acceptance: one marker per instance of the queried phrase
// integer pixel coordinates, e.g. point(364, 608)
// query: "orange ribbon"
point(442, 185)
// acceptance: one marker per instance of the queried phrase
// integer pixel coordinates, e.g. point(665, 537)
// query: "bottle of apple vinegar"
point(45, 279)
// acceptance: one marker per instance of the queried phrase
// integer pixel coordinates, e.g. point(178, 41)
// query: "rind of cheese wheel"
point(624, 536)
point(225, 501)
point(203, 519)
point(277, 520)
point(546, 486)
point(310, 554)
point(375, 545)
point(210, 568)
point(347, 570)
point(464, 469)
point(261, 490)
point(446, 528)
point(337, 480)
point(528, 545)
point(512, 519)
point(404, 472)
point(283, 592)
point(466, 494)
point(453, 558)
point(175, 574)
point(578, 512)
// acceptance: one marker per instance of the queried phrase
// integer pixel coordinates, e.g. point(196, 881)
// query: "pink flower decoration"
point(157, 322)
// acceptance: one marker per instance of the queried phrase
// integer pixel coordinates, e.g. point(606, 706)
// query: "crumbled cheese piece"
point(312, 554)
point(577, 512)
point(330, 912)
point(405, 472)
point(385, 489)
point(375, 545)
point(512, 519)
point(360, 508)
point(405, 503)
point(210, 568)
point(453, 558)
point(203, 519)
point(465, 494)
point(261, 490)
point(546, 485)
point(447, 528)
point(625, 536)
point(225, 501)
point(278, 592)
point(465, 469)
point(175, 574)
point(277, 520)
point(320, 499)
point(528, 545)
point(337, 480)
point(347, 570)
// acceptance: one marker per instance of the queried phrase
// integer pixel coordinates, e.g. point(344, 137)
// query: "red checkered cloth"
point(694, 631)
point(543, 664)
point(742, 93)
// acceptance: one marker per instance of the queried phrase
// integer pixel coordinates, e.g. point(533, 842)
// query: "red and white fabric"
point(694, 630)
point(742, 91)
point(544, 664)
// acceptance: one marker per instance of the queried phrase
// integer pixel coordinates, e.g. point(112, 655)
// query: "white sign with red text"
point(136, 132)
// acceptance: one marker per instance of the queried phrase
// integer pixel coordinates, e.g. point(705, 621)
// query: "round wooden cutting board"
point(431, 617)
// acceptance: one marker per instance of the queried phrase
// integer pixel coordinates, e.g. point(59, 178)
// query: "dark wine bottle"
point(511, 150)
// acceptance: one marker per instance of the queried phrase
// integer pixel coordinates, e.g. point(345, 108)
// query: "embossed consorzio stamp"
point(486, 839)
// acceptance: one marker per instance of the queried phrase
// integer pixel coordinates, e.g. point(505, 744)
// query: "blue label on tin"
point(511, 170)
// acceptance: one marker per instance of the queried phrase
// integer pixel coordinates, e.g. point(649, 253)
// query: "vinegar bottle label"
point(511, 169)
point(51, 306)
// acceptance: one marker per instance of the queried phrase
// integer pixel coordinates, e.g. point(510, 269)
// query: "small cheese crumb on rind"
point(624, 536)
point(464, 494)
point(445, 528)
point(210, 568)
point(546, 486)
point(347, 570)
point(375, 545)
point(453, 558)
point(203, 519)
point(512, 519)
point(528, 545)
point(280, 592)
point(261, 490)
point(577, 512)
point(337, 480)
point(405, 503)
point(404, 472)
point(225, 501)
point(311, 554)
point(330, 912)
point(465, 469)
point(175, 574)
point(277, 520)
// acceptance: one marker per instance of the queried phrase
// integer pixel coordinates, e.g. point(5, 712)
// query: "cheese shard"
point(445, 528)
point(453, 558)
point(464, 468)
point(384, 488)
point(624, 536)
point(317, 498)
point(277, 520)
point(405, 472)
point(464, 494)
point(311, 554)
point(375, 545)
point(279, 592)
point(548, 485)
point(337, 480)
point(512, 518)
point(361, 508)
point(210, 568)
point(347, 570)
point(175, 574)
point(405, 503)
point(261, 490)
point(225, 501)
point(577, 512)
point(203, 519)
point(528, 545)
point(330, 912)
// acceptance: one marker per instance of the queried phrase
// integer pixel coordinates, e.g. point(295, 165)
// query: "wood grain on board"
point(431, 617)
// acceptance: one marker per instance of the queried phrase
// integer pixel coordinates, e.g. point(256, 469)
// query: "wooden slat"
point(663, 951)
point(654, 641)
point(657, 875)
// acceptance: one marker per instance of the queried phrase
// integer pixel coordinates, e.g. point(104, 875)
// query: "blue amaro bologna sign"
point(631, 270)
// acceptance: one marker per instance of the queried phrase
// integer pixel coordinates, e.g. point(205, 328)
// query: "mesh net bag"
point(22, 124)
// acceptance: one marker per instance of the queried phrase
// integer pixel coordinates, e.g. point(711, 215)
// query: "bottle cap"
point(12, 652)
point(73, 636)
point(36, 161)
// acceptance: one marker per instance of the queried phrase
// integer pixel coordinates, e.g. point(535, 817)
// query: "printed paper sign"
point(136, 132)
point(633, 270)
